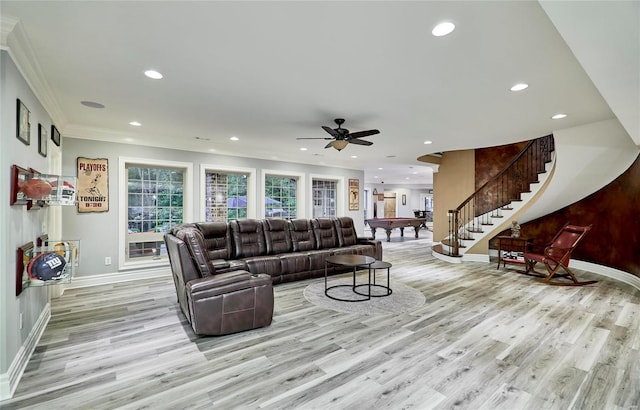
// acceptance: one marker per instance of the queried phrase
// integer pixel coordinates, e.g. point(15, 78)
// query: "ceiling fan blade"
point(329, 145)
point(360, 142)
point(361, 134)
point(314, 138)
point(331, 131)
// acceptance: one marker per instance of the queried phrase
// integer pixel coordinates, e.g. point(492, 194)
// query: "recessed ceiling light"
point(376, 176)
point(135, 123)
point(443, 29)
point(234, 138)
point(212, 150)
point(303, 149)
point(559, 116)
point(380, 169)
point(92, 104)
point(354, 156)
point(415, 173)
point(407, 178)
point(428, 142)
point(153, 74)
point(519, 87)
point(128, 140)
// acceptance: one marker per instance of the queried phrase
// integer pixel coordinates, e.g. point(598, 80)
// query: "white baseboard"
point(475, 257)
point(606, 271)
point(601, 270)
point(110, 278)
point(9, 380)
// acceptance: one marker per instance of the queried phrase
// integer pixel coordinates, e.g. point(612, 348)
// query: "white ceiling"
point(268, 72)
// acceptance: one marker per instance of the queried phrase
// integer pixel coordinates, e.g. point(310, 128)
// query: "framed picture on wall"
point(42, 140)
point(404, 199)
point(23, 128)
point(55, 135)
point(354, 194)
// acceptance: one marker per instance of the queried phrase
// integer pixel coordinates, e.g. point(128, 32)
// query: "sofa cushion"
point(192, 237)
point(216, 239)
point(346, 231)
point(276, 235)
point(248, 238)
point(301, 232)
point(324, 232)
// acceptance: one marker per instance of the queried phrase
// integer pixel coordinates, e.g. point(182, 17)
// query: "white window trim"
point(301, 207)
point(340, 191)
point(187, 203)
point(251, 187)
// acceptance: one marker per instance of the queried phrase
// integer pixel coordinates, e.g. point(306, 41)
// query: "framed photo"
point(354, 194)
point(93, 184)
point(55, 135)
point(23, 128)
point(42, 140)
point(404, 199)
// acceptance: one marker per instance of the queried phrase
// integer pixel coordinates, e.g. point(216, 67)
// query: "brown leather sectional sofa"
point(223, 272)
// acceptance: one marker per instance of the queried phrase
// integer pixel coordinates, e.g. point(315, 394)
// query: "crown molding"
point(16, 42)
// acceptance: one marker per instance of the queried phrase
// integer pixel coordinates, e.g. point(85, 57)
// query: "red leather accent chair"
point(556, 256)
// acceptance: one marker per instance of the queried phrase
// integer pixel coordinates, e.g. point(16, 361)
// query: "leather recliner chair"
point(216, 303)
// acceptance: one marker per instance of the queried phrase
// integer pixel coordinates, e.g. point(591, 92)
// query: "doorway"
point(389, 204)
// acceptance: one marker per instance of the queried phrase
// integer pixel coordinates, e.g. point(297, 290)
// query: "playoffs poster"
point(93, 184)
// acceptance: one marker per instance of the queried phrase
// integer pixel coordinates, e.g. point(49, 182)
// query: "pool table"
point(390, 223)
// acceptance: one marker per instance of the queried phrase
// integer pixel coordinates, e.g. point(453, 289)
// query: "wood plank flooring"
point(485, 339)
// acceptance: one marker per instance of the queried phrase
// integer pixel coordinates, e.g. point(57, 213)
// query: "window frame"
point(251, 186)
point(187, 205)
point(301, 189)
point(340, 192)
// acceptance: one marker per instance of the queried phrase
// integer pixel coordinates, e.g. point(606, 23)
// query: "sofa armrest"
point(224, 283)
point(220, 264)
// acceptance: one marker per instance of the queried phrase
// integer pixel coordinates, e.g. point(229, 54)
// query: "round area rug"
point(403, 299)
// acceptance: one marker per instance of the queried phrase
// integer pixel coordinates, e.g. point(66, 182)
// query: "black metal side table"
point(373, 267)
point(355, 261)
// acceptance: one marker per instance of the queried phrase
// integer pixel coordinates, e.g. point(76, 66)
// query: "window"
point(281, 196)
point(152, 202)
point(225, 196)
point(324, 197)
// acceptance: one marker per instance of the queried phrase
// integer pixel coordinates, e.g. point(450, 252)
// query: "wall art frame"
point(23, 126)
point(354, 194)
point(55, 135)
point(92, 184)
point(43, 140)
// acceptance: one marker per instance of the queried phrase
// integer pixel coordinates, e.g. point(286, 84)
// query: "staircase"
point(485, 211)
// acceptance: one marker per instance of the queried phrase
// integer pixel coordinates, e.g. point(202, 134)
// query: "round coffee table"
point(354, 261)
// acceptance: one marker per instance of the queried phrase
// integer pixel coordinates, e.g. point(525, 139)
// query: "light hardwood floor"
point(485, 339)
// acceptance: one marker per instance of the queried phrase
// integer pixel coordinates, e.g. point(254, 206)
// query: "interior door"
point(389, 204)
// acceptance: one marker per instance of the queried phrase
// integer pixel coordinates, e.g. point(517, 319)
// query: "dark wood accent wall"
point(490, 161)
point(614, 211)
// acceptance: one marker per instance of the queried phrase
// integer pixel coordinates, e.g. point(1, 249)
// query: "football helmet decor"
point(46, 266)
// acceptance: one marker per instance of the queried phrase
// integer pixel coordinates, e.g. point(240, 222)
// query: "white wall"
point(19, 226)
point(402, 211)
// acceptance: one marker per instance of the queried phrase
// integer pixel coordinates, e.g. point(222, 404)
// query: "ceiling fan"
point(342, 137)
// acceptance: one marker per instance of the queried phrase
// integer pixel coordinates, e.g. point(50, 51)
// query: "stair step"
point(497, 216)
point(438, 249)
point(487, 224)
point(507, 208)
point(448, 243)
point(475, 230)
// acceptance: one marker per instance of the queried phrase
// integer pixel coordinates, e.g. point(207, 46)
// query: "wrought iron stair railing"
point(494, 196)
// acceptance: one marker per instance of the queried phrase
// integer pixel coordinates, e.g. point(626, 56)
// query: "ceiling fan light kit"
point(342, 137)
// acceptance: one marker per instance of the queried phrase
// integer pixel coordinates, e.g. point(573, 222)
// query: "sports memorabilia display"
point(46, 266)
